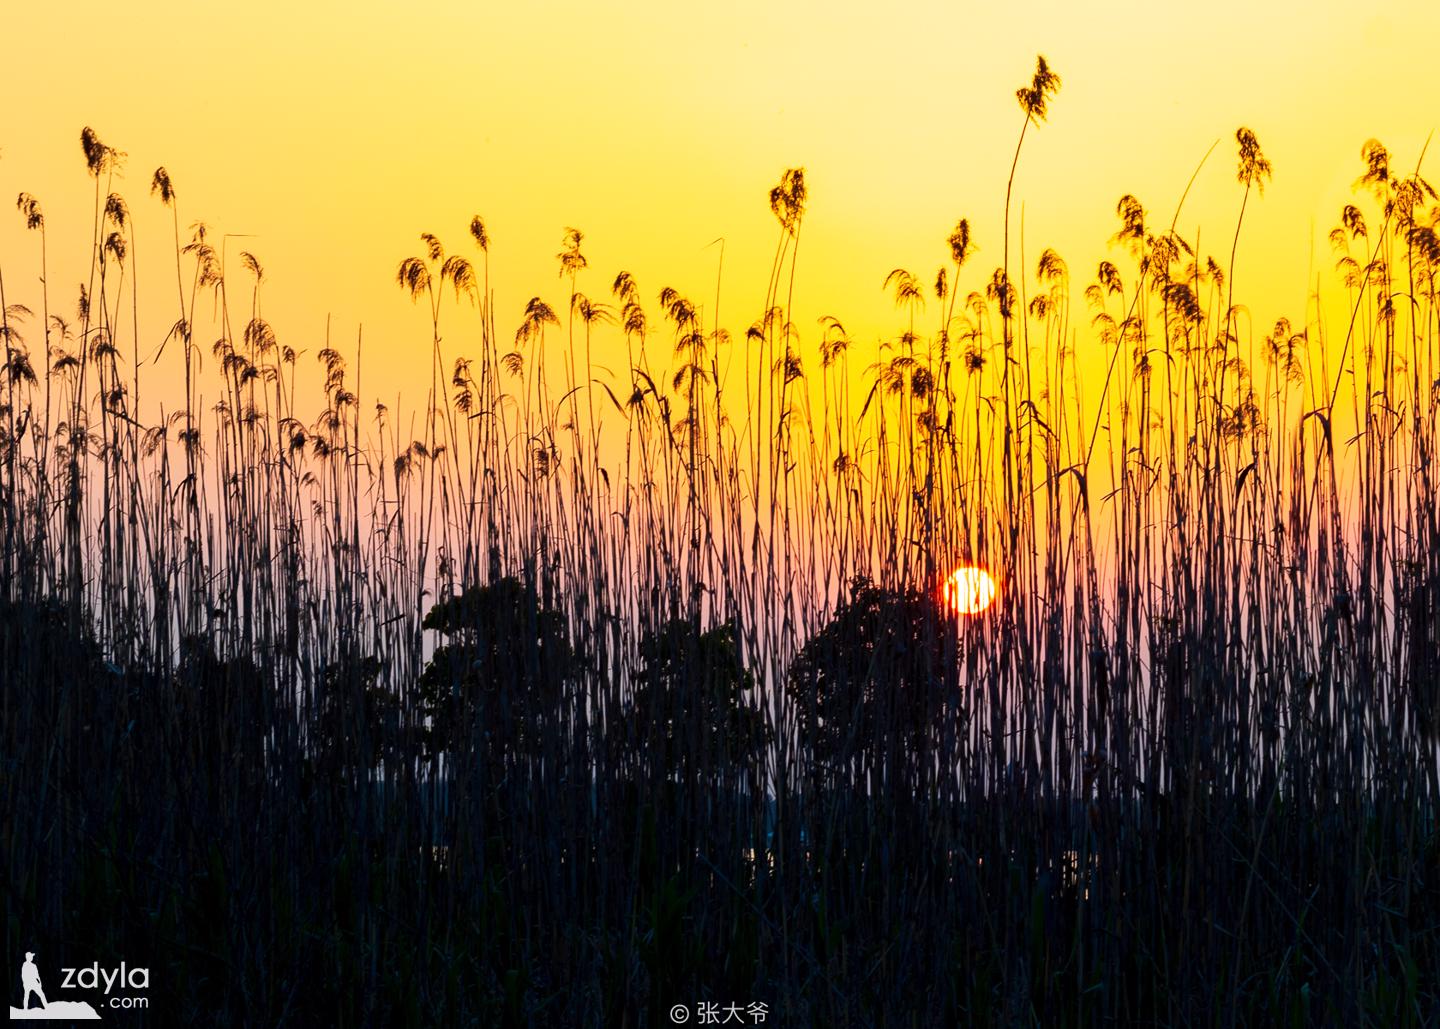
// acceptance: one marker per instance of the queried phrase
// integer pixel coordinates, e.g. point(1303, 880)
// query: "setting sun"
point(969, 590)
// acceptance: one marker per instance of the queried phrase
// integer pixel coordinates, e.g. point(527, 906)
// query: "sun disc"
point(969, 590)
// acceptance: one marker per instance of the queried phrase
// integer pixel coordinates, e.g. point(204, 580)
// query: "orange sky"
point(334, 133)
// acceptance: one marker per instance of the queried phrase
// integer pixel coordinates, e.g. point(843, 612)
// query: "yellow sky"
point(334, 133)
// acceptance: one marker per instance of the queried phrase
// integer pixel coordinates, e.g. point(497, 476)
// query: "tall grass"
point(583, 695)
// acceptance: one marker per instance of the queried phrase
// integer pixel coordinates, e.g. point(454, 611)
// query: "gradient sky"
point(334, 133)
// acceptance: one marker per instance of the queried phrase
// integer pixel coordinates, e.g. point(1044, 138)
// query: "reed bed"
point(577, 696)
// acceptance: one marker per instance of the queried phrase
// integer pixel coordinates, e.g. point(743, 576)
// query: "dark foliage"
point(497, 682)
point(873, 685)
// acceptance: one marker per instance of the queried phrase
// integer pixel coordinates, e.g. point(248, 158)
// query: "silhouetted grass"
point(609, 693)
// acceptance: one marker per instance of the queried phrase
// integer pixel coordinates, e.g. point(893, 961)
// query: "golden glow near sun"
point(969, 590)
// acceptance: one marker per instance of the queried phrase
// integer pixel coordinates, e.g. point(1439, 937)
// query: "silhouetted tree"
point(498, 682)
point(688, 717)
point(875, 689)
point(356, 719)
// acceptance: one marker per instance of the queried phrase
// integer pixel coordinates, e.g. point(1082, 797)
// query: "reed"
point(588, 702)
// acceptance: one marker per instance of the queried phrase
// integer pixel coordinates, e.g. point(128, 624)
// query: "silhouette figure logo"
point(34, 993)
